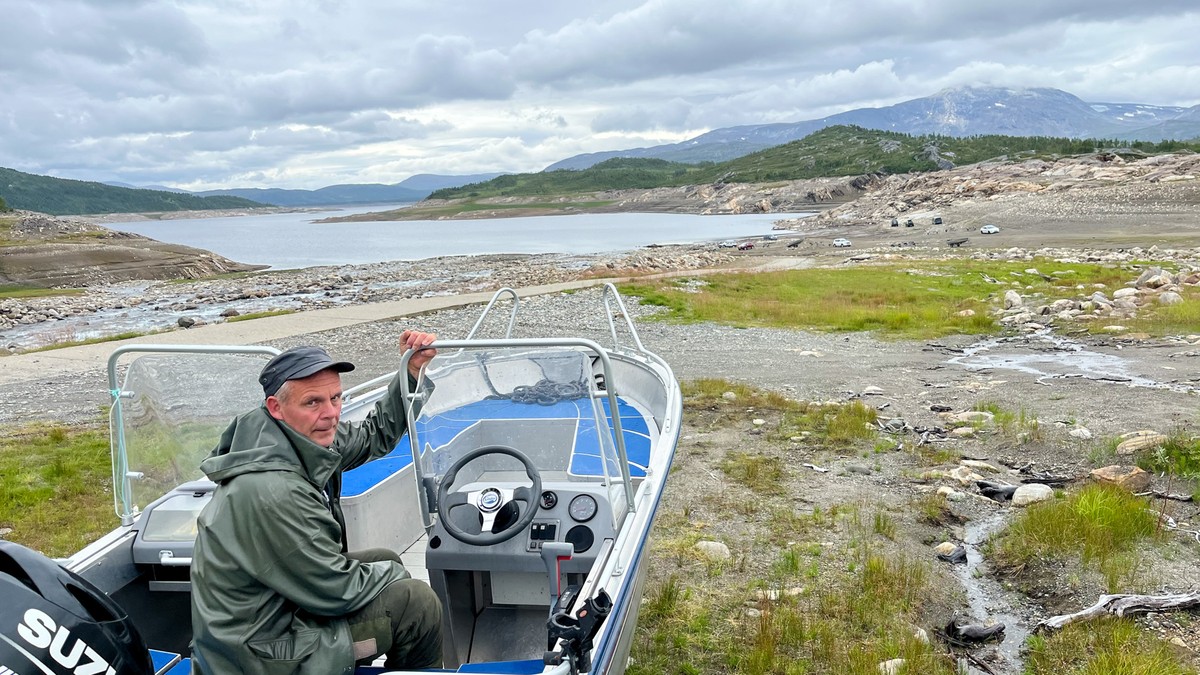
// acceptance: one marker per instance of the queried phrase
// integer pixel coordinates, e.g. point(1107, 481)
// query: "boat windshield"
point(169, 416)
point(544, 403)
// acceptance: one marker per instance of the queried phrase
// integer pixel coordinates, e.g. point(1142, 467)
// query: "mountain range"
point(962, 111)
point(959, 112)
point(412, 189)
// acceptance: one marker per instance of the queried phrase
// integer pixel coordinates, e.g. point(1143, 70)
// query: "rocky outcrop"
point(902, 194)
point(52, 252)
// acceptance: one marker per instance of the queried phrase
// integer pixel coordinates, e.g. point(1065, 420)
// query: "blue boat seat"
point(163, 661)
point(585, 457)
point(526, 667)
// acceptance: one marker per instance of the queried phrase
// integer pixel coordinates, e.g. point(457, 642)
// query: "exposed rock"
point(714, 550)
point(1131, 478)
point(1032, 492)
point(1136, 441)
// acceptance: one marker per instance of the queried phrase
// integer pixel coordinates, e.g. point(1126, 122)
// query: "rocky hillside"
point(1099, 178)
point(41, 250)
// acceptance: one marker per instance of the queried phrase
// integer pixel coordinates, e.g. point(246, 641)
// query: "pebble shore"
point(143, 306)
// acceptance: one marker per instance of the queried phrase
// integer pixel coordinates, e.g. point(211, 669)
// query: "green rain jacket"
point(270, 581)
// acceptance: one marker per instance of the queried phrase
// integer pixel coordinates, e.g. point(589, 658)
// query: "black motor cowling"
point(54, 621)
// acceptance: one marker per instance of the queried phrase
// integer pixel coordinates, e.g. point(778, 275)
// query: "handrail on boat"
point(590, 345)
point(512, 319)
point(610, 291)
point(121, 475)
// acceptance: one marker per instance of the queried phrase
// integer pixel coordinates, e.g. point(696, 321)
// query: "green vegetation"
point(91, 341)
point(1021, 425)
point(1106, 646)
point(762, 475)
point(55, 487)
point(1101, 524)
point(1177, 319)
point(853, 619)
point(14, 291)
point(60, 197)
point(893, 301)
point(259, 315)
point(1179, 456)
point(427, 212)
point(832, 151)
point(4, 207)
point(834, 426)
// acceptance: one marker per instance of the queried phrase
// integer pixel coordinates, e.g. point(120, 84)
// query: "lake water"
point(294, 240)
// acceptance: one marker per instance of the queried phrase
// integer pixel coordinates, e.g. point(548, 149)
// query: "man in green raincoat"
point(273, 588)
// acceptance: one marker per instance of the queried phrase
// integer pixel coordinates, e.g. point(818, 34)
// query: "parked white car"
point(989, 229)
point(841, 241)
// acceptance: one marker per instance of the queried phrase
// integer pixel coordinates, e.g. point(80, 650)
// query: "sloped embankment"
point(41, 250)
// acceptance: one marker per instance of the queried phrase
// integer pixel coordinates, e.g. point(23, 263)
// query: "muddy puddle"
point(1049, 356)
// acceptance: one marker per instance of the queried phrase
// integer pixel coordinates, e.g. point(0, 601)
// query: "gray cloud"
point(214, 93)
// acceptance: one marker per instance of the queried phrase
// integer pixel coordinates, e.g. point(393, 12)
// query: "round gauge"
point(549, 500)
point(583, 508)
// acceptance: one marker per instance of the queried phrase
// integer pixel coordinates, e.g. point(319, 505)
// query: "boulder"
point(1031, 493)
point(1136, 441)
point(1131, 478)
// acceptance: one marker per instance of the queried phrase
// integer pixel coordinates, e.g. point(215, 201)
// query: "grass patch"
point(56, 488)
point(13, 291)
point(227, 276)
point(835, 425)
point(896, 301)
point(91, 341)
point(932, 509)
point(710, 392)
point(850, 625)
point(469, 206)
point(1105, 646)
point(1102, 524)
point(761, 474)
point(260, 315)
point(1020, 425)
point(1179, 456)
point(1178, 319)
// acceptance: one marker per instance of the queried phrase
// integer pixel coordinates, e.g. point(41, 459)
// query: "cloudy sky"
point(204, 94)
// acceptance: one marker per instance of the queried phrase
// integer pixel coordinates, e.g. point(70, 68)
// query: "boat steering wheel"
point(489, 500)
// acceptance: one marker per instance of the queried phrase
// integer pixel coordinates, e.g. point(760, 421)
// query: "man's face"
point(311, 406)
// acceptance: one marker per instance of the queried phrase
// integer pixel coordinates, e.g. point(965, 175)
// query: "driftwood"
point(1166, 495)
point(1122, 605)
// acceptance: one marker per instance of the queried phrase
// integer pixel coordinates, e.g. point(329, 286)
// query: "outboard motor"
point(54, 621)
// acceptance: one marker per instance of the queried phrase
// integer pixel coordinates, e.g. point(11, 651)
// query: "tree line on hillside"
point(831, 152)
point(63, 197)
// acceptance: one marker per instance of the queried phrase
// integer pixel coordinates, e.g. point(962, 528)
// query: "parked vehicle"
point(841, 242)
point(937, 220)
point(745, 246)
point(727, 244)
point(770, 237)
point(989, 229)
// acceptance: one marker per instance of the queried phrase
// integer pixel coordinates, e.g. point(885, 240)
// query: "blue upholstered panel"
point(585, 459)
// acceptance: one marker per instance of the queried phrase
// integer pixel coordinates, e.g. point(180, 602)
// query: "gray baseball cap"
point(297, 363)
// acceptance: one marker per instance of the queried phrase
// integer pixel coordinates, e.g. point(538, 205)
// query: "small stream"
point(1046, 356)
point(990, 603)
